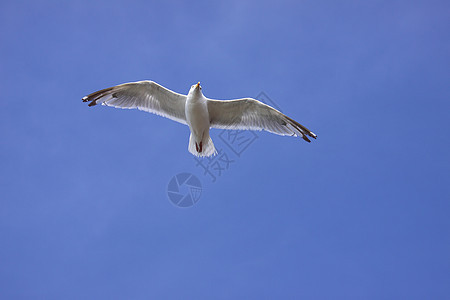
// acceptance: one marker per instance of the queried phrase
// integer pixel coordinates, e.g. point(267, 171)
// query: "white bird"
point(198, 112)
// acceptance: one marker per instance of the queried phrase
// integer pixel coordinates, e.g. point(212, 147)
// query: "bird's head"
point(195, 88)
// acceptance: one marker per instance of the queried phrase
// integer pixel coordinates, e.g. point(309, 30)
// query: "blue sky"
point(360, 213)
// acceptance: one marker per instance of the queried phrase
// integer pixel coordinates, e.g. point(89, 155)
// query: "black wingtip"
point(89, 99)
point(96, 95)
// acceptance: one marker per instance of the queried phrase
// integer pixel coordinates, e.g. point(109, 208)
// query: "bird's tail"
point(205, 149)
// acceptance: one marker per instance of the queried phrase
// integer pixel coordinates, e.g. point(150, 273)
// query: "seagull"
point(199, 112)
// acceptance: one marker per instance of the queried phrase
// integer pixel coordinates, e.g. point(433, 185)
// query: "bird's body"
point(197, 117)
point(198, 112)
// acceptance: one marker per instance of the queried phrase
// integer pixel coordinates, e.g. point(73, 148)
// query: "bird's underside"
point(198, 112)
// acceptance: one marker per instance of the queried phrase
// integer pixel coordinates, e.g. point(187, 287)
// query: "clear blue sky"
point(360, 213)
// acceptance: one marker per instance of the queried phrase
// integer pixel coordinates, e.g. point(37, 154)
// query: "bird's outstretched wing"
point(252, 114)
point(144, 95)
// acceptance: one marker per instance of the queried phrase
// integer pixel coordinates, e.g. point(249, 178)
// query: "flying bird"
point(199, 112)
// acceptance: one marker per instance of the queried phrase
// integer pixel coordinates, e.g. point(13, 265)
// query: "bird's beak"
point(198, 84)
